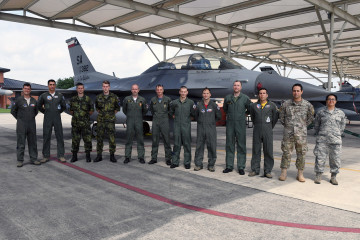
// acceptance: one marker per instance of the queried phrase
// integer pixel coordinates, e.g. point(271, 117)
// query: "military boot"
point(300, 176)
point(283, 174)
point(318, 178)
point(74, 157)
point(333, 180)
point(88, 158)
point(112, 158)
point(98, 158)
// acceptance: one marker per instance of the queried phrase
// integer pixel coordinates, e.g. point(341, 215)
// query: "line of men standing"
point(295, 114)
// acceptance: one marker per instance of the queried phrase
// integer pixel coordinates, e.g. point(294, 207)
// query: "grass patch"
point(5, 110)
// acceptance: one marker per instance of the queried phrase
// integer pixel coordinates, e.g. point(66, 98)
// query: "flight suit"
point(264, 120)
point(160, 126)
point(80, 122)
point(206, 117)
point(235, 109)
point(134, 111)
point(106, 105)
point(52, 107)
point(25, 127)
point(183, 111)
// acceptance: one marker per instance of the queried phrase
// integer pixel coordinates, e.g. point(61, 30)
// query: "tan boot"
point(300, 176)
point(333, 180)
point(283, 174)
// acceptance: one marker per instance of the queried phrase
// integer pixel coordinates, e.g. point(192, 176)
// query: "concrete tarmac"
point(140, 201)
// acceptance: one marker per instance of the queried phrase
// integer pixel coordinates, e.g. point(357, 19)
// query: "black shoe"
point(112, 158)
point(187, 166)
point(168, 162)
point(141, 160)
point(74, 157)
point(241, 172)
point(152, 161)
point(227, 170)
point(88, 158)
point(127, 160)
point(173, 166)
point(98, 158)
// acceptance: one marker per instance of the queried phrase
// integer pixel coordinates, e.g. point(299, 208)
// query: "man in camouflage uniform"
point(235, 106)
point(52, 104)
point(264, 115)
point(329, 126)
point(182, 110)
point(295, 114)
point(207, 113)
point(25, 111)
point(107, 105)
point(81, 107)
point(160, 107)
point(134, 107)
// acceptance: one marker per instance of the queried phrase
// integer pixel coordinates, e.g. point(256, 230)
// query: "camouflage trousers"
point(324, 150)
point(78, 132)
point(287, 146)
point(102, 128)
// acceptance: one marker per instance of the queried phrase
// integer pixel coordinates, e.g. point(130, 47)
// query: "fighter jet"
point(195, 71)
point(5, 92)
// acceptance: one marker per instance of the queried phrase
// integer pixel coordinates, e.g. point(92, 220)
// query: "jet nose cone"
point(6, 92)
point(279, 87)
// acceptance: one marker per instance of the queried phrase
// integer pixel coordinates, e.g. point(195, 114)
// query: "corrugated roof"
point(13, 84)
point(282, 32)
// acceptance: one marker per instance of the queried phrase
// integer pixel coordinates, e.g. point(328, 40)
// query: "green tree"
point(65, 83)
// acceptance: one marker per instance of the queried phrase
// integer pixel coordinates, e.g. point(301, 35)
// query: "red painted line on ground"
point(213, 212)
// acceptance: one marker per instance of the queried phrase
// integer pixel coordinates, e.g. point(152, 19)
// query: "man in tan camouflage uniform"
point(107, 105)
point(295, 114)
point(329, 126)
point(81, 107)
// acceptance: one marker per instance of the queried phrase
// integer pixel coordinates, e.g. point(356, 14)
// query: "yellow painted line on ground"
point(279, 159)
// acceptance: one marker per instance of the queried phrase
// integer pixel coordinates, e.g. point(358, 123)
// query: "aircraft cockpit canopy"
point(197, 61)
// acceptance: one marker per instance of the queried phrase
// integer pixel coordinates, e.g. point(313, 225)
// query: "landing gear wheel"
point(94, 130)
point(146, 128)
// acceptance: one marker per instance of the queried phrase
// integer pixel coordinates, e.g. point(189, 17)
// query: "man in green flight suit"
point(160, 108)
point(25, 111)
point(134, 107)
point(52, 104)
point(207, 113)
point(235, 106)
point(107, 105)
point(81, 107)
point(182, 110)
point(264, 115)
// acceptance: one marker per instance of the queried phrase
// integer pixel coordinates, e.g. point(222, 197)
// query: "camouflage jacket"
point(106, 105)
point(296, 116)
point(135, 109)
point(160, 110)
point(81, 108)
point(330, 126)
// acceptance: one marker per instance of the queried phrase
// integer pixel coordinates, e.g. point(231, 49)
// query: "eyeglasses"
point(331, 99)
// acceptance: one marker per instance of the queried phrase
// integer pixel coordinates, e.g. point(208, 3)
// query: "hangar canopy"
point(303, 34)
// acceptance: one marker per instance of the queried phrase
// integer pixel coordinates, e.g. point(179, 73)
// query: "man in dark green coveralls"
point(52, 104)
point(264, 115)
point(235, 106)
point(182, 110)
point(25, 110)
point(134, 107)
point(207, 113)
point(160, 107)
point(107, 105)
point(81, 107)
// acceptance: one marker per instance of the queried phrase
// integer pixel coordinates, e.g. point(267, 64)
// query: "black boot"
point(98, 158)
point(74, 157)
point(112, 158)
point(88, 158)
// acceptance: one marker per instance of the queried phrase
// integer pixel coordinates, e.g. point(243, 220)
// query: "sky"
point(37, 54)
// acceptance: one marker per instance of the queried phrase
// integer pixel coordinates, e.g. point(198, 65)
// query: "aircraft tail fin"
point(79, 60)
